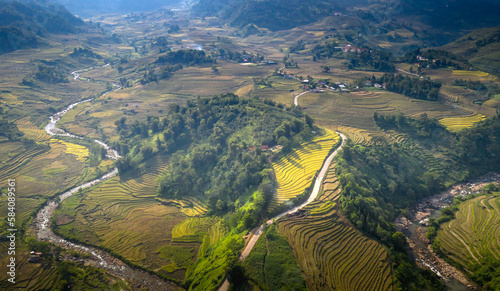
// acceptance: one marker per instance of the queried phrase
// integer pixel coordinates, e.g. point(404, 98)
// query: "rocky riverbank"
point(414, 227)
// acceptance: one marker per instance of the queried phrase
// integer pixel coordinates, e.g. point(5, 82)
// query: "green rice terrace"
point(471, 239)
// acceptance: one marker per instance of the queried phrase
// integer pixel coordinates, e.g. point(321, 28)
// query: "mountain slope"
point(481, 47)
point(89, 8)
point(22, 22)
point(271, 14)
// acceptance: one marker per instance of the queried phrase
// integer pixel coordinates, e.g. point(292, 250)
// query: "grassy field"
point(470, 73)
point(474, 232)
point(330, 252)
point(459, 123)
point(295, 171)
point(125, 217)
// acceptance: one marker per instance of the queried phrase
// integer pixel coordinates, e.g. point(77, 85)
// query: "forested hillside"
point(22, 21)
point(215, 145)
point(381, 181)
point(481, 48)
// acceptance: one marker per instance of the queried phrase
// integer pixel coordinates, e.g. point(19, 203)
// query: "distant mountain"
point(454, 14)
point(89, 8)
point(271, 14)
point(450, 15)
point(22, 21)
point(481, 47)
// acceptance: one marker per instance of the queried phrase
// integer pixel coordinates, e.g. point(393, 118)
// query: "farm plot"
point(458, 123)
point(330, 252)
point(81, 152)
point(32, 132)
point(469, 73)
point(125, 217)
point(333, 255)
point(295, 171)
point(37, 170)
point(475, 231)
point(352, 113)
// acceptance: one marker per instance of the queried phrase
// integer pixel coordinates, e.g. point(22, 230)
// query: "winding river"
point(98, 258)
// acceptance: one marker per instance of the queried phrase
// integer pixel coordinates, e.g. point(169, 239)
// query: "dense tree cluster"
point(478, 147)
point(213, 137)
point(378, 181)
point(300, 45)
point(9, 129)
point(325, 51)
point(50, 74)
point(412, 87)
point(422, 127)
point(473, 85)
point(376, 60)
point(84, 52)
point(186, 57)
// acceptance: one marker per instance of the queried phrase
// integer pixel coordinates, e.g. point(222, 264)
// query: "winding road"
point(314, 194)
point(101, 259)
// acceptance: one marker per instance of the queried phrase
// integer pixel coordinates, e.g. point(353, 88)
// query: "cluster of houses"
point(35, 257)
point(376, 85)
point(353, 49)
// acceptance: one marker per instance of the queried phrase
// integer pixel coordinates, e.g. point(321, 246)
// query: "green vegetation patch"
point(180, 257)
point(272, 266)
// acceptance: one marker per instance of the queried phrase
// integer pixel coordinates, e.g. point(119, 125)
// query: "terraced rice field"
point(474, 232)
point(194, 229)
point(296, 171)
point(357, 135)
point(330, 187)
point(37, 171)
point(469, 73)
point(81, 152)
point(458, 123)
point(32, 132)
point(332, 254)
point(31, 276)
point(125, 217)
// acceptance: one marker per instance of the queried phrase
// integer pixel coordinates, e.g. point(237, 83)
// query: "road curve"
point(399, 70)
point(314, 194)
point(312, 197)
point(296, 99)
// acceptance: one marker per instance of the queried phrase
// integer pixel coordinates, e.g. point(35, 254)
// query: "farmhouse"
point(353, 49)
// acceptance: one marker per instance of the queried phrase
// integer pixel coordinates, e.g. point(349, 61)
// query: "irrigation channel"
point(415, 229)
point(317, 186)
point(98, 258)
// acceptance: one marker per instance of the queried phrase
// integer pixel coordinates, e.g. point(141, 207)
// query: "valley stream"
point(415, 229)
point(139, 279)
